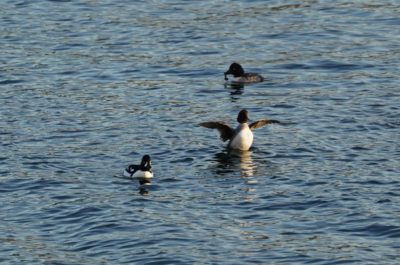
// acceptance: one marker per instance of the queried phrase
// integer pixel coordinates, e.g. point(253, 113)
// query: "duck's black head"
point(235, 69)
point(243, 116)
point(146, 162)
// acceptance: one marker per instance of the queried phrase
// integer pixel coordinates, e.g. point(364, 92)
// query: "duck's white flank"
point(139, 174)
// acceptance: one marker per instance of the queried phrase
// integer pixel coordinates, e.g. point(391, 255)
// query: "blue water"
point(88, 87)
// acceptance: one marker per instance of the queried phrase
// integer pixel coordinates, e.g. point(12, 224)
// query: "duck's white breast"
point(143, 174)
point(243, 140)
point(139, 174)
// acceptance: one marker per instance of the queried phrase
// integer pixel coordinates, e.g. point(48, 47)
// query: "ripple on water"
point(374, 230)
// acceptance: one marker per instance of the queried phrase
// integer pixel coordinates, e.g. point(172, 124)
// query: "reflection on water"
point(246, 163)
point(239, 163)
point(234, 160)
point(144, 187)
point(236, 90)
point(145, 184)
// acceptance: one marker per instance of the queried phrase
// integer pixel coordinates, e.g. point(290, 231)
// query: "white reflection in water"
point(235, 160)
point(246, 163)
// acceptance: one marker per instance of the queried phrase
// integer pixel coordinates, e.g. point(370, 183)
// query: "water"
point(88, 87)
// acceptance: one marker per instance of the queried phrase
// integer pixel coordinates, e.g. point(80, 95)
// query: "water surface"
point(88, 87)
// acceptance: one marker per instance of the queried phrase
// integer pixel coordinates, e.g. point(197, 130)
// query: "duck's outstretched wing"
point(226, 132)
point(261, 123)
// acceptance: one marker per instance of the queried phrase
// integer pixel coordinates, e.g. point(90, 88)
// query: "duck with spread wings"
point(240, 138)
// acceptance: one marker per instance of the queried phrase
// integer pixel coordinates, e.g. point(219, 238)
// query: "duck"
point(240, 138)
point(240, 76)
point(142, 171)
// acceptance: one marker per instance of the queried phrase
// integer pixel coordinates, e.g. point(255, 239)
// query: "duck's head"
point(235, 69)
point(243, 116)
point(146, 162)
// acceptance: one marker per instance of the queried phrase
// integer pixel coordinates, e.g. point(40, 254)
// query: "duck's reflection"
point(236, 90)
point(234, 85)
point(233, 160)
point(246, 163)
point(145, 184)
